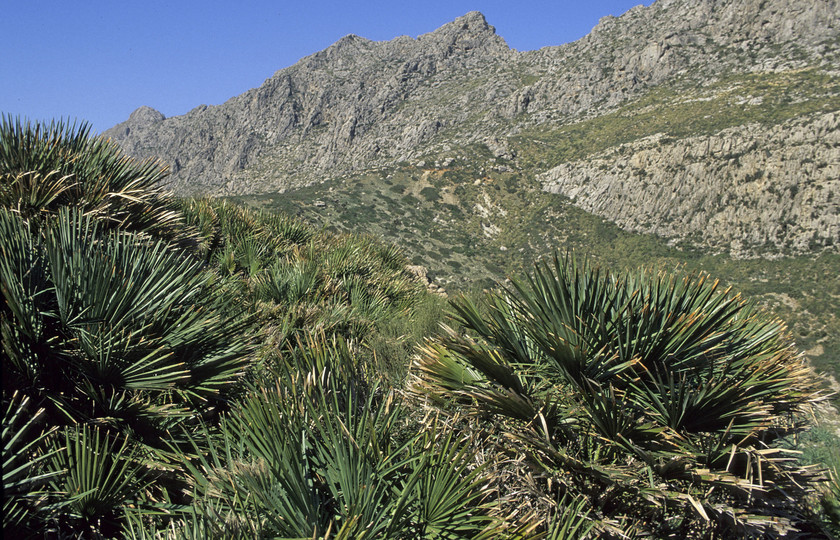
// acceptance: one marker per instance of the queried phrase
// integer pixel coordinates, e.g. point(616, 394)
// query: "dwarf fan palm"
point(324, 452)
point(661, 400)
point(109, 329)
point(45, 167)
point(24, 453)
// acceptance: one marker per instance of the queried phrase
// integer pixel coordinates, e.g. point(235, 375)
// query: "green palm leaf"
point(97, 474)
point(44, 167)
point(25, 451)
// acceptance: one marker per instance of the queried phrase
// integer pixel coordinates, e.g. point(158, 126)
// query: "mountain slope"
point(674, 71)
point(745, 190)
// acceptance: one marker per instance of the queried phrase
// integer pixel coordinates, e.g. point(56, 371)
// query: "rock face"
point(746, 190)
point(361, 104)
point(422, 275)
point(344, 108)
point(699, 39)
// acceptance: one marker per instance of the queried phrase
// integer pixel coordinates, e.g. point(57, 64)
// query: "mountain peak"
point(146, 115)
point(141, 118)
point(470, 31)
point(474, 20)
point(473, 23)
point(349, 40)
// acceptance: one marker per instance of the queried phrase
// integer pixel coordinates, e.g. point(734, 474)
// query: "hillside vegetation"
point(473, 227)
point(193, 369)
point(629, 330)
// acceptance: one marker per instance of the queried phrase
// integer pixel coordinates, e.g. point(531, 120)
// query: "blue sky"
point(98, 60)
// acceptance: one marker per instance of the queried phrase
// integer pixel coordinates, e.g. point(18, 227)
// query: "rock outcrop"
point(746, 190)
point(356, 103)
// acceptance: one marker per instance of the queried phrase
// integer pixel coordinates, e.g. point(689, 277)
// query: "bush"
point(115, 340)
point(661, 401)
point(431, 194)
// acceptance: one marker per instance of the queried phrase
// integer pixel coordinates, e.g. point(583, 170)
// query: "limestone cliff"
point(747, 190)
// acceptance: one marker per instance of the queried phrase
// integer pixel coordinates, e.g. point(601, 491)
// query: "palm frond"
point(25, 451)
point(98, 475)
point(45, 167)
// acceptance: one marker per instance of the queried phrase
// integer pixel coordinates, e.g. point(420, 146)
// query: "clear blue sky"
point(98, 60)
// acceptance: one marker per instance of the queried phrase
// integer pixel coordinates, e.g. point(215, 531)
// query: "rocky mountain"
point(710, 122)
point(745, 189)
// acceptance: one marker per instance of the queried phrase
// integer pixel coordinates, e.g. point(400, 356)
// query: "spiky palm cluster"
point(46, 167)
point(660, 401)
point(130, 323)
point(298, 278)
point(325, 452)
point(113, 338)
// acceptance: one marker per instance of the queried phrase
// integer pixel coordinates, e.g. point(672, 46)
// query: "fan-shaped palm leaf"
point(25, 449)
point(97, 475)
point(44, 167)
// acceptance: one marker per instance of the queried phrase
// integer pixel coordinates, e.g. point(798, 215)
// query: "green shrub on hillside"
point(322, 451)
point(44, 168)
point(129, 322)
point(114, 339)
point(431, 194)
point(661, 401)
point(297, 278)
